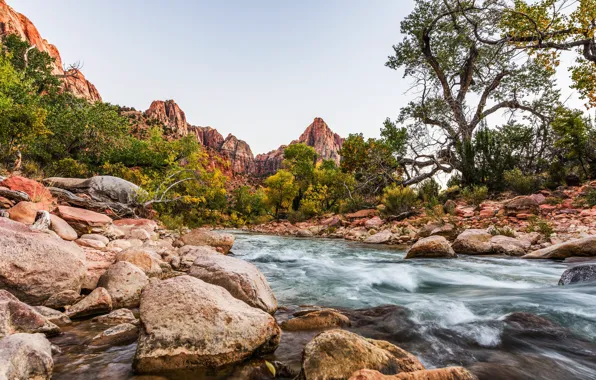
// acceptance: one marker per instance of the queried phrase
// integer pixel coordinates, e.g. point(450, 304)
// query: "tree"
point(576, 137)
point(300, 159)
point(280, 190)
point(452, 69)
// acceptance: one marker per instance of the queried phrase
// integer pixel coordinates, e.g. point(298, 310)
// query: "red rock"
point(374, 222)
point(5, 203)
point(326, 143)
point(539, 198)
point(36, 191)
point(62, 229)
point(523, 216)
point(170, 115)
point(25, 212)
point(521, 205)
point(362, 214)
point(547, 209)
point(239, 154)
point(146, 224)
point(83, 221)
point(332, 221)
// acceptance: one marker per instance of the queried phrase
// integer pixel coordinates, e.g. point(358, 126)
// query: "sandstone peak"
point(327, 144)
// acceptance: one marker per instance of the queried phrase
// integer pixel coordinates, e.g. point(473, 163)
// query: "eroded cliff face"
point(12, 22)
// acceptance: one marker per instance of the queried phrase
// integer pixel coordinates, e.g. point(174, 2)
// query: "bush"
point(398, 199)
point(505, 231)
point(68, 167)
point(428, 190)
point(454, 180)
point(591, 197)
point(540, 225)
point(475, 195)
point(521, 183)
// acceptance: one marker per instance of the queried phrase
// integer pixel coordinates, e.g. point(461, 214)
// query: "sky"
point(261, 70)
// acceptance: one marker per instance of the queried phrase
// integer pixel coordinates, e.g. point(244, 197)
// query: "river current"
point(446, 311)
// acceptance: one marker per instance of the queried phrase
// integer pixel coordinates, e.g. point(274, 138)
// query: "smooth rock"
point(146, 224)
point(54, 316)
point(381, 237)
point(97, 237)
point(63, 229)
point(316, 320)
point(119, 244)
point(143, 259)
point(473, 242)
point(431, 247)
point(188, 255)
point(124, 333)
point(84, 221)
point(116, 317)
point(97, 302)
point(90, 243)
point(585, 247)
point(26, 356)
point(220, 241)
point(242, 279)
point(448, 373)
point(18, 317)
point(124, 281)
point(579, 274)
point(25, 212)
point(188, 323)
point(62, 299)
point(505, 245)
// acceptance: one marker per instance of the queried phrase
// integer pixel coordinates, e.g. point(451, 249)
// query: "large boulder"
point(473, 242)
point(26, 356)
point(98, 301)
point(580, 273)
point(18, 317)
point(25, 212)
point(430, 248)
point(220, 241)
point(585, 247)
point(505, 245)
point(242, 279)
point(448, 373)
point(521, 205)
point(337, 354)
point(188, 254)
point(37, 192)
point(100, 188)
point(188, 323)
point(143, 258)
point(124, 281)
point(84, 221)
point(34, 265)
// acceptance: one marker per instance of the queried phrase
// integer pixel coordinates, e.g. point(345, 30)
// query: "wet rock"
point(521, 324)
point(242, 279)
point(198, 237)
point(84, 221)
point(62, 229)
point(504, 245)
point(142, 258)
point(97, 302)
point(431, 247)
point(18, 317)
point(117, 317)
point(316, 320)
point(473, 242)
point(585, 247)
point(26, 356)
point(124, 282)
point(25, 212)
point(188, 255)
point(124, 333)
point(449, 373)
point(337, 354)
point(188, 323)
point(62, 299)
point(521, 205)
point(578, 274)
point(34, 265)
point(382, 237)
point(54, 316)
point(259, 370)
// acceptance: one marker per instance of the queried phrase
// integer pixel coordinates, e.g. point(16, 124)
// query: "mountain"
point(12, 22)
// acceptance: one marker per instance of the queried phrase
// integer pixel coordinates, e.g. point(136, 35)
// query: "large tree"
point(460, 83)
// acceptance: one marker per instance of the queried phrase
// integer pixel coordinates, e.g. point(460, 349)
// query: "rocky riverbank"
point(78, 281)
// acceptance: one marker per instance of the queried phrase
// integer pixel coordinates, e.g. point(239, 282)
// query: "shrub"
point(68, 167)
point(428, 190)
point(475, 194)
point(454, 180)
point(398, 199)
point(591, 197)
point(505, 231)
point(520, 183)
point(540, 225)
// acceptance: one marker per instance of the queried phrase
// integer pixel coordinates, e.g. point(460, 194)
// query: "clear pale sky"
point(261, 70)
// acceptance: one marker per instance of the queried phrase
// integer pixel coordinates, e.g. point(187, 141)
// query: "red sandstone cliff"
point(12, 22)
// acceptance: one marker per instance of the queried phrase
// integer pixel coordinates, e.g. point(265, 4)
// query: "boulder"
point(473, 242)
point(90, 243)
point(374, 222)
point(84, 221)
point(96, 237)
point(146, 224)
point(98, 262)
point(337, 354)
point(362, 214)
point(124, 333)
point(120, 244)
point(62, 299)
point(25, 212)
point(62, 229)
point(381, 237)
point(189, 253)
point(585, 247)
point(18, 317)
point(188, 323)
point(242, 279)
point(220, 241)
point(97, 302)
point(305, 232)
point(504, 245)
point(100, 188)
point(26, 356)
point(117, 317)
point(139, 233)
point(34, 265)
point(316, 320)
point(430, 248)
point(143, 259)
point(37, 192)
point(448, 373)
point(578, 274)
point(54, 316)
point(124, 282)
point(521, 205)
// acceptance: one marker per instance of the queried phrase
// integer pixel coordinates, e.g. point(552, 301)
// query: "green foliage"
point(280, 190)
point(537, 224)
point(475, 194)
point(576, 136)
point(504, 231)
point(428, 190)
point(591, 197)
point(249, 203)
point(522, 184)
point(398, 199)
point(454, 180)
point(69, 168)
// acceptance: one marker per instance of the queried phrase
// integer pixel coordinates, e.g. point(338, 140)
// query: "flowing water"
point(449, 312)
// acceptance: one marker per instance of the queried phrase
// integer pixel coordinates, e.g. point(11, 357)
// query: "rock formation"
point(12, 22)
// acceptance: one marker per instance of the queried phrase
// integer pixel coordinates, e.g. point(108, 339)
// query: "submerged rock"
point(337, 354)
point(315, 320)
point(220, 241)
point(431, 247)
point(448, 373)
point(188, 323)
point(242, 279)
point(585, 247)
point(18, 317)
point(26, 356)
point(580, 273)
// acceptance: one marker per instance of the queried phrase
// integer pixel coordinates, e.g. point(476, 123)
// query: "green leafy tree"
point(280, 190)
point(300, 159)
point(576, 137)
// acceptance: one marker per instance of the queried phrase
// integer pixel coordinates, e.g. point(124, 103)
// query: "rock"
point(220, 241)
point(146, 224)
point(522, 325)
point(25, 212)
point(337, 354)
point(97, 237)
point(239, 153)
point(316, 320)
point(124, 282)
point(35, 190)
point(447, 230)
point(305, 232)
point(90, 243)
point(585, 247)
point(374, 222)
point(99, 188)
point(34, 265)
point(504, 245)
point(84, 221)
point(577, 274)
point(61, 228)
point(521, 205)
point(448, 373)
point(54, 316)
point(333, 221)
point(139, 233)
point(381, 237)
point(362, 214)
point(143, 259)
point(18, 317)
point(430, 248)
point(242, 279)
point(188, 323)
point(117, 317)
point(539, 198)
point(26, 356)
point(5, 203)
point(98, 301)
point(327, 144)
point(124, 333)
point(473, 242)
point(121, 244)
point(189, 253)
point(98, 262)
point(62, 299)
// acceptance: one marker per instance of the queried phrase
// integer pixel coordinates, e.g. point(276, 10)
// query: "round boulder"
point(26, 356)
point(580, 273)
point(124, 282)
point(431, 247)
point(473, 242)
point(220, 241)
